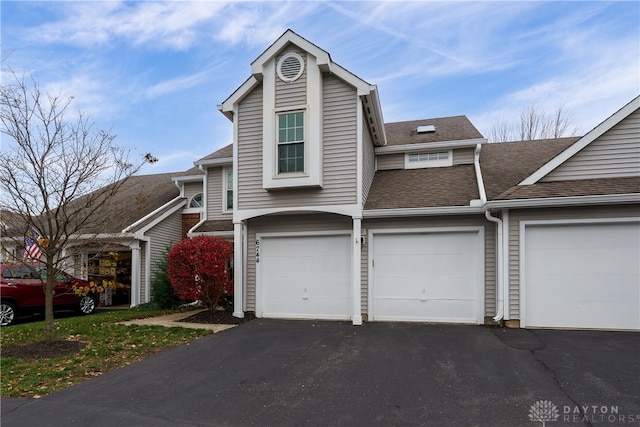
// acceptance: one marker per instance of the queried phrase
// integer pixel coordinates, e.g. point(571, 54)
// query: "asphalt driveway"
point(281, 373)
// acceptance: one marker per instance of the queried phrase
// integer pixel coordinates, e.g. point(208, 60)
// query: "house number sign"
point(257, 251)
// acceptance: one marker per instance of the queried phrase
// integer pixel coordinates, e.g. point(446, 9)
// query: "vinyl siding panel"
point(284, 224)
point(368, 162)
point(516, 216)
point(463, 156)
point(293, 93)
point(164, 235)
point(390, 161)
point(339, 153)
point(191, 189)
point(249, 180)
point(614, 154)
point(215, 195)
point(457, 221)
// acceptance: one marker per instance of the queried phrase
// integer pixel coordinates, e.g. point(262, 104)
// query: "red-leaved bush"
point(200, 269)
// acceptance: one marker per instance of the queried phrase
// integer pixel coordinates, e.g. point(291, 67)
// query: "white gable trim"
point(159, 219)
point(227, 105)
point(595, 133)
point(155, 212)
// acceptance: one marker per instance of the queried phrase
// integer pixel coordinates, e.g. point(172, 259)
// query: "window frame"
point(428, 159)
point(192, 198)
point(226, 190)
point(298, 140)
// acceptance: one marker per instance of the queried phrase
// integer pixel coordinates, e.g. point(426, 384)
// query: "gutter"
point(500, 246)
point(565, 201)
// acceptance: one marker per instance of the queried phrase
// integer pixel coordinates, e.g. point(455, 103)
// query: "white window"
point(290, 142)
point(196, 201)
point(227, 196)
point(428, 160)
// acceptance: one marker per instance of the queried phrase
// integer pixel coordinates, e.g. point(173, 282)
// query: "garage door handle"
point(305, 298)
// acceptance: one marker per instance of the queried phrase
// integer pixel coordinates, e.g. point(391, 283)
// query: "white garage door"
point(305, 277)
point(582, 276)
point(430, 277)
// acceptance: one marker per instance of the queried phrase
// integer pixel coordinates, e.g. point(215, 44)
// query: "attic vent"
point(426, 129)
point(290, 67)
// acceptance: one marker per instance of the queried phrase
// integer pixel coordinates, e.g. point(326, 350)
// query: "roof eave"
point(605, 199)
point(406, 148)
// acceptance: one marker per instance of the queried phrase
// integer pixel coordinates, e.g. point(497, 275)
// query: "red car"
point(22, 292)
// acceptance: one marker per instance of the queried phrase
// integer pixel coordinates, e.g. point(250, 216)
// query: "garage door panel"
point(305, 276)
point(426, 276)
point(582, 276)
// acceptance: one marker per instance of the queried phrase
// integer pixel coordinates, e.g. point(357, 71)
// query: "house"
point(335, 214)
point(147, 215)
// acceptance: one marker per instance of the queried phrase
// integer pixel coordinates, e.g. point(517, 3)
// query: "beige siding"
point(516, 217)
point(390, 161)
point(293, 93)
point(339, 153)
point(368, 162)
point(249, 180)
point(454, 221)
point(284, 224)
point(463, 156)
point(191, 189)
point(164, 235)
point(215, 194)
point(614, 154)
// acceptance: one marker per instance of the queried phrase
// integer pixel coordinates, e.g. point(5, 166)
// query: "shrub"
point(200, 269)
point(162, 294)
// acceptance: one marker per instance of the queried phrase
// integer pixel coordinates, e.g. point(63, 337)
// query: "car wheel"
point(86, 304)
point(7, 313)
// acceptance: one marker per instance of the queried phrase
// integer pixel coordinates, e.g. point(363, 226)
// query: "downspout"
point(483, 197)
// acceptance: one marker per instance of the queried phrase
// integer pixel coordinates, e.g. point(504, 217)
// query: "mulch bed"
point(43, 350)
point(224, 317)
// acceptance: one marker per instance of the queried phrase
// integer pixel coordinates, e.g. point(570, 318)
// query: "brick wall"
point(188, 221)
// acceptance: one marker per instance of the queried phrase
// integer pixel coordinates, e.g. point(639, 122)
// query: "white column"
point(356, 281)
point(135, 274)
point(238, 270)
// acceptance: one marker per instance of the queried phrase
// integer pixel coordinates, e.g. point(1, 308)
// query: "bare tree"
point(56, 175)
point(535, 123)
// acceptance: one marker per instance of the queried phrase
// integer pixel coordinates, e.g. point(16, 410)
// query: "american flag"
point(31, 249)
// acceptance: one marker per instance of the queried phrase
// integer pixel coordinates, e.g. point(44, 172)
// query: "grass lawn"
point(107, 346)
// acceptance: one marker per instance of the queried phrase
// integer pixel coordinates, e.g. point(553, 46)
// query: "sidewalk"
point(173, 321)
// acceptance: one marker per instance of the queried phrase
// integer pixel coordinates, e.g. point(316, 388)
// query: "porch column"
point(135, 274)
point(238, 270)
point(356, 278)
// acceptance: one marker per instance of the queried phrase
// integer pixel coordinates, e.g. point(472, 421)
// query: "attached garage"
point(430, 275)
point(304, 276)
point(581, 275)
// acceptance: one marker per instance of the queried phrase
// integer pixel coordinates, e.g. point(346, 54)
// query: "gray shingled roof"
point(223, 153)
point(506, 164)
point(447, 129)
point(417, 188)
point(215, 225)
point(583, 187)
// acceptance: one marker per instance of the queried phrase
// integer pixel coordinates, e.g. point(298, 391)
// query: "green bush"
point(162, 294)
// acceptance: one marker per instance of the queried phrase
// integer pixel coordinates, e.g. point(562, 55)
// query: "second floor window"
point(229, 190)
point(291, 142)
point(196, 201)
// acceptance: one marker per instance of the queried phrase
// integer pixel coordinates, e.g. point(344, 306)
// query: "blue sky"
point(154, 72)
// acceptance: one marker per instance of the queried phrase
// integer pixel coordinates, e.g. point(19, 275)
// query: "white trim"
point(478, 170)
point(359, 153)
point(225, 184)
point(298, 73)
point(441, 210)
point(188, 178)
point(155, 212)
point(544, 222)
point(356, 272)
point(159, 219)
point(505, 265)
point(258, 265)
point(574, 148)
point(565, 201)
point(238, 271)
point(136, 266)
point(228, 106)
point(423, 164)
point(147, 268)
point(430, 146)
point(480, 230)
point(214, 162)
point(353, 210)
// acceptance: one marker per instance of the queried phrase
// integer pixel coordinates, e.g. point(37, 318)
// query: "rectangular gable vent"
point(426, 129)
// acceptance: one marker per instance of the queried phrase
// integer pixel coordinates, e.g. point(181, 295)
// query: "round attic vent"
point(290, 67)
